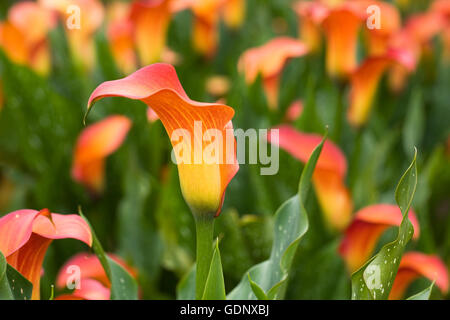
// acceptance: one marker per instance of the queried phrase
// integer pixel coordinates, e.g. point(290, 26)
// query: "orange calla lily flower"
point(414, 265)
point(414, 37)
point(390, 22)
point(94, 283)
point(366, 228)
point(269, 60)
point(310, 14)
point(120, 33)
point(151, 20)
point(25, 45)
point(341, 27)
point(203, 183)
point(425, 26)
point(81, 40)
point(11, 42)
point(205, 37)
point(329, 174)
point(234, 13)
point(206, 20)
point(94, 144)
point(81, 19)
point(364, 82)
point(26, 234)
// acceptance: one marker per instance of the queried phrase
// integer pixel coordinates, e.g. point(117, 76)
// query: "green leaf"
point(21, 288)
point(13, 286)
point(123, 285)
point(186, 286)
point(5, 290)
point(424, 294)
point(215, 286)
point(374, 280)
point(259, 293)
point(406, 188)
point(291, 223)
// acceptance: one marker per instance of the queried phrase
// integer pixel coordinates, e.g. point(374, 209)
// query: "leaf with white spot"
point(13, 286)
point(424, 294)
point(373, 281)
point(5, 290)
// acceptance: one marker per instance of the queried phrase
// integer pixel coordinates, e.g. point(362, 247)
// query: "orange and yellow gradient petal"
point(151, 20)
point(311, 14)
point(364, 82)
point(203, 182)
point(268, 61)
point(94, 144)
point(341, 28)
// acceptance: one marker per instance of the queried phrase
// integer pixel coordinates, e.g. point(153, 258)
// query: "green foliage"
point(123, 286)
point(424, 294)
point(215, 286)
point(13, 286)
point(291, 223)
point(374, 280)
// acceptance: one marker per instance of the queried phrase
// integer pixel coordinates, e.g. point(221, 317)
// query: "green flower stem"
point(205, 228)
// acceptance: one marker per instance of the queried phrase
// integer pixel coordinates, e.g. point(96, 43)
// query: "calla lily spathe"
point(414, 265)
point(389, 23)
point(120, 33)
point(207, 14)
point(414, 37)
point(367, 226)
point(234, 13)
point(341, 27)
point(151, 20)
point(329, 174)
point(26, 234)
point(90, 15)
point(25, 45)
point(268, 61)
point(202, 184)
point(206, 19)
point(94, 144)
point(94, 283)
point(310, 15)
point(364, 82)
